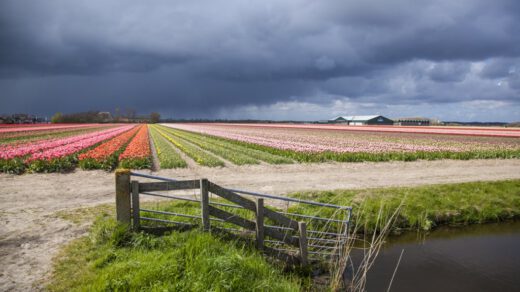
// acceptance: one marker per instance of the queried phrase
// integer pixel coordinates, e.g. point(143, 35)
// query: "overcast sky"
point(304, 60)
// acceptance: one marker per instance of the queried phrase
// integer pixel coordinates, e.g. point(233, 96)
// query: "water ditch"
point(473, 258)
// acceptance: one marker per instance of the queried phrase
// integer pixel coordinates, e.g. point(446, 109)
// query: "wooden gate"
point(286, 231)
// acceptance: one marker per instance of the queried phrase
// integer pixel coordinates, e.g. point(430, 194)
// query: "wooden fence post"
point(204, 204)
point(303, 242)
point(260, 223)
point(135, 204)
point(123, 204)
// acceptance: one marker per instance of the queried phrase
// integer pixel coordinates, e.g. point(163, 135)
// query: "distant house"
point(105, 117)
point(361, 120)
point(23, 119)
point(412, 121)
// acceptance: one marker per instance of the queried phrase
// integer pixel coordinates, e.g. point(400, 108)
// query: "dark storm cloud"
point(196, 58)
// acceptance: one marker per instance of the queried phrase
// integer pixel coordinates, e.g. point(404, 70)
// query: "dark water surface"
point(475, 258)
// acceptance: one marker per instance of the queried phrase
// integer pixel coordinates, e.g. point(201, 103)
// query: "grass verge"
point(113, 258)
point(425, 207)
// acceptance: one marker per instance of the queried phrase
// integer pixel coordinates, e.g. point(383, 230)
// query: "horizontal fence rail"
point(237, 211)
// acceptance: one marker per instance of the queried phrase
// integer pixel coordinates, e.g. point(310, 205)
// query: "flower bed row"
point(200, 156)
point(51, 155)
point(18, 129)
point(105, 155)
point(315, 145)
point(137, 154)
point(168, 157)
point(225, 152)
point(12, 151)
point(64, 157)
point(36, 136)
point(212, 142)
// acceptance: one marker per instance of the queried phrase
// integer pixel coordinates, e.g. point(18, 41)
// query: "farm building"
point(414, 121)
point(362, 120)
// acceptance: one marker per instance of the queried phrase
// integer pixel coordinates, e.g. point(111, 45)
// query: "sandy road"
point(30, 235)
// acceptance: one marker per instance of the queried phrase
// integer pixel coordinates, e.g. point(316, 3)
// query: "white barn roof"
point(356, 118)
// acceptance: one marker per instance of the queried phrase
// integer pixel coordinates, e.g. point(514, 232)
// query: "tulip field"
point(63, 147)
point(319, 143)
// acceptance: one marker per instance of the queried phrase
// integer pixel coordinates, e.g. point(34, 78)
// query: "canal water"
point(473, 258)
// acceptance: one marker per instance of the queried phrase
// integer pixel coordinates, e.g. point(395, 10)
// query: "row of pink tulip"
point(316, 140)
point(45, 131)
point(12, 151)
point(40, 128)
point(78, 145)
point(447, 130)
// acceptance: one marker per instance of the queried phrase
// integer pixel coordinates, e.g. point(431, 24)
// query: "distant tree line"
point(105, 117)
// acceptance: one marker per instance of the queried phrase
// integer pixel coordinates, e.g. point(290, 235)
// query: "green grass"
point(168, 157)
point(193, 208)
point(424, 207)
point(212, 141)
point(200, 156)
point(112, 258)
point(234, 156)
point(15, 165)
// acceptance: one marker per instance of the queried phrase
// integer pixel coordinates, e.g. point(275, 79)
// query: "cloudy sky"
point(304, 60)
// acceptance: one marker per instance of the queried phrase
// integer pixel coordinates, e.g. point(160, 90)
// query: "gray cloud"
point(449, 72)
point(203, 58)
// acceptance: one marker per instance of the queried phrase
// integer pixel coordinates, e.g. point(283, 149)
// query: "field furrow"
point(48, 134)
point(229, 154)
point(201, 157)
point(137, 154)
point(326, 143)
point(168, 157)
point(232, 146)
point(64, 157)
point(105, 155)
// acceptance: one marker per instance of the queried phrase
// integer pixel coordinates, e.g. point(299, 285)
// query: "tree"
point(57, 118)
point(155, 117)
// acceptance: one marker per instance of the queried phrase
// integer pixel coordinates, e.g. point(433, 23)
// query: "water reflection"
point(474, 258)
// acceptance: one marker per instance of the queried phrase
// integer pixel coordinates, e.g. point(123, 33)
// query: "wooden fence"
point(128, 211)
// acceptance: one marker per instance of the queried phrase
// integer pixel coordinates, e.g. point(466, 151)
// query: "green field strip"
point(230, 146)
point(198, 155)
point(168, 157)
point(229, 154)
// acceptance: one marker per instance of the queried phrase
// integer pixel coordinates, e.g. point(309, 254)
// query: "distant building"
point(361, 120)
point(23, 119)
point(413, 121)
point(105, 117)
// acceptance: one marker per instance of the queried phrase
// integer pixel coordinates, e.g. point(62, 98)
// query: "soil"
point(31, 234)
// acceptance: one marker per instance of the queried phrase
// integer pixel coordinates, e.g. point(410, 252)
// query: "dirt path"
point(30, 233)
